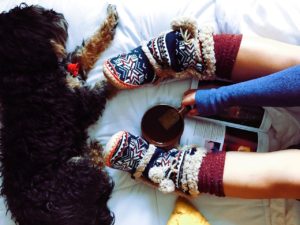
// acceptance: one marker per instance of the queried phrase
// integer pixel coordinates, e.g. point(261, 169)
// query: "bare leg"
point(259, 56)
point(262, 175)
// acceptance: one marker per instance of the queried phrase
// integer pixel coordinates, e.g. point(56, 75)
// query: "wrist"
point(206, 102)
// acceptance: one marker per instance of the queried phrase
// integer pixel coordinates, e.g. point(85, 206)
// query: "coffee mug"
point(162, 125)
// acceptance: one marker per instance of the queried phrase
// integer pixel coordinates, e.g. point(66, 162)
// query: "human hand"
point(188, 99)
point(203, 102)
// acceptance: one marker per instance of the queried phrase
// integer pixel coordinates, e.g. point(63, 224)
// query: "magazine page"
point(216, 137)
point(242, 117)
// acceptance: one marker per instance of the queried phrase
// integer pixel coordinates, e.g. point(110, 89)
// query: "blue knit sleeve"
point(281, 89)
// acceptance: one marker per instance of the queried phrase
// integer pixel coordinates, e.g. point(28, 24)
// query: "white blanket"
point(132, 202)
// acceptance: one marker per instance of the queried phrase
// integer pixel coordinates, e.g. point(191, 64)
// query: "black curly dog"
point(49, 176)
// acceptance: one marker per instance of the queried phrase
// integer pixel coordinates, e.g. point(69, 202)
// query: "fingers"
point(189, 98)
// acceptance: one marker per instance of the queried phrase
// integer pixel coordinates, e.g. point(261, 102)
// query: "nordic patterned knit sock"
point(189, 171)
point(172, 54)
point(183, 52)
point(280, 89)
point(128, 71)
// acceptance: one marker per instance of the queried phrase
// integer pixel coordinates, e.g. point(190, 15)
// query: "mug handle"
point(183, 110)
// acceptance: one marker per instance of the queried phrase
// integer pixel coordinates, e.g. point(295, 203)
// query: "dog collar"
point(73, 69)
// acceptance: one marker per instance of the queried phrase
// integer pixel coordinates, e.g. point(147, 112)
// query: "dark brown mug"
point(162, 125)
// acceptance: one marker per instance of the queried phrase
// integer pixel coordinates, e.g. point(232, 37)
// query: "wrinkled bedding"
point(132, 202)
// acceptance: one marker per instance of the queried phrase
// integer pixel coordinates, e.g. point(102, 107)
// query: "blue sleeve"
point(281, 89)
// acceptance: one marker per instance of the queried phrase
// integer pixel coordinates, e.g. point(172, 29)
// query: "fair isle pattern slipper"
point(175, 50)
point(127, 152)
point(170, 53)
point(180, 53)
point(128, 71)
point(170, 170)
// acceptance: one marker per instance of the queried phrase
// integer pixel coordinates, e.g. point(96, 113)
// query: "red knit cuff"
point(226, 50)
point(210, 177)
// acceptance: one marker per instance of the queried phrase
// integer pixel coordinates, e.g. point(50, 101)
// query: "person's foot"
point(128, 71)
point(127, 152)
point(180, 53)
point(173, 169)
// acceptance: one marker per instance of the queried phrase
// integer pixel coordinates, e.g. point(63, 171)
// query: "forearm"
point(262, 175)
point(258, 56)
point(278, 90)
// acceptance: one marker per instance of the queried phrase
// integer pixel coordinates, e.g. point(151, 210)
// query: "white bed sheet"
point(132, 202)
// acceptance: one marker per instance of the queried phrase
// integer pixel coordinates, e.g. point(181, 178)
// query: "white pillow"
point(275, 19)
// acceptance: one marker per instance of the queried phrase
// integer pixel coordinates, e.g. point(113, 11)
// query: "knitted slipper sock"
point(128, 71)
point(173, 54)
point(188, 171)
point(226, 47)
point(181, 53)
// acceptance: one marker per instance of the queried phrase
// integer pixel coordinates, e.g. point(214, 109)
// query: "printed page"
point(219, 137)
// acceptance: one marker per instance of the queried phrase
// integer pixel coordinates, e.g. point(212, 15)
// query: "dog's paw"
point(113, 15)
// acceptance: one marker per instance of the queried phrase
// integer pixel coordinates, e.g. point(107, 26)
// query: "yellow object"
point(185, 213)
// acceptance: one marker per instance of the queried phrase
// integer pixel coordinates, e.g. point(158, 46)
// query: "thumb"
point(189, 98)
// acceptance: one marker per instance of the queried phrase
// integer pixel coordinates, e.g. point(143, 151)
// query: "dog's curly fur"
point(48, 174)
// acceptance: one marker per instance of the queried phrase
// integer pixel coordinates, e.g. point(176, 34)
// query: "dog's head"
point(32, 40)
point(75, 193)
